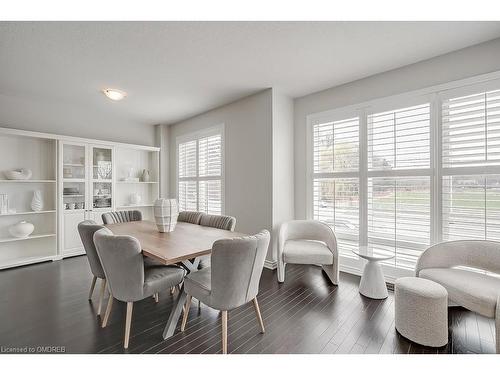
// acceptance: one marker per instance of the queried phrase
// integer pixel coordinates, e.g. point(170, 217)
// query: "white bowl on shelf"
point(18, 174)
point(22, 229)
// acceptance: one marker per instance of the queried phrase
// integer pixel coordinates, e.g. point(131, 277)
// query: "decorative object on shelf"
point(104, 169)
point(130, 174)
point(18, 174)
point(67, 172)
point(145, 177)
point(166, 212)
point(37, 201)
point(135, 199)
point(22, 229)
point(4, 204)
point(71, 206)
point(71, 191)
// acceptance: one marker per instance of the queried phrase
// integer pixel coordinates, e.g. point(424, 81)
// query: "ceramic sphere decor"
point(22, 229)
point(18, 174)
point(37, 201)
point(166, 212)
point(135, 199)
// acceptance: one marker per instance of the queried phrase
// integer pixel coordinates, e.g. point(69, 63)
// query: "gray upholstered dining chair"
point(114, 217)
point(129, 281)
point(192, 217)
point(218, 221)
point(232, 280)
point(86, 229)
point(308, 242)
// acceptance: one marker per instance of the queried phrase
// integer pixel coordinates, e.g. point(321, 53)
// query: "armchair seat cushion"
point(199, 284)
point(158, 279)
point(474, 291)
point(307, 252)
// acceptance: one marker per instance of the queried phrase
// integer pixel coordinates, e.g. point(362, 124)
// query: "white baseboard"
point(270, 264)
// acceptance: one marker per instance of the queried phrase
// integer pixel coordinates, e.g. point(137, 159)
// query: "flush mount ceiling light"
point(114, 94)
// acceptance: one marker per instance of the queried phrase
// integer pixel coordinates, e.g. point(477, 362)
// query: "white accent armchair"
point(308, 242)
point(475, 291)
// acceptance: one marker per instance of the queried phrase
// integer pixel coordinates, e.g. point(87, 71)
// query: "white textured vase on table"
point(166, 212)
point(37, 201)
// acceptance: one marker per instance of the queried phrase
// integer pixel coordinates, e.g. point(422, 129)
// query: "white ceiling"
point(173, 70)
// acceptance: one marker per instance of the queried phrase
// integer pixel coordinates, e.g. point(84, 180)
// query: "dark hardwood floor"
point(46, 305)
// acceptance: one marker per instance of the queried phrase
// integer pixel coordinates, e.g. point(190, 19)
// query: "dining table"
point(185, 246)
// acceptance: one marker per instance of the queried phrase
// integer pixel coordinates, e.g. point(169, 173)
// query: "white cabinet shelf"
point(136, 205)
point(28, 213)
point(31, 237)
point(28, 181)
point(136, 182)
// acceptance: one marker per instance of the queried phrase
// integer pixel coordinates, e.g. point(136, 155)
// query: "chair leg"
point(157, 297)
point(92, 286)
point(224, 332)
point(497, 325)
point(108, 311)
point(259, 316)
point(101, 296)
point(281, 271)
point(128, 322)
point(199, 304)
point(186, 312)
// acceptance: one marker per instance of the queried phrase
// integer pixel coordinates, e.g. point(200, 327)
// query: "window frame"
point(196, 136)
point(435, 96)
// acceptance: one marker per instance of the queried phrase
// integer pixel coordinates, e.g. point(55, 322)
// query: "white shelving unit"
point(132, 162)
point(38, 154)
point(94, 168)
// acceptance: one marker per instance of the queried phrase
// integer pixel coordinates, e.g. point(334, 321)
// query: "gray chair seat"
point(161, 278)
point(199, 284)
point(317, 252)
point(148, 263)
point(474, 291)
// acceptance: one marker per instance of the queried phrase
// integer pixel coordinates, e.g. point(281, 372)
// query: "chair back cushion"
point(192, 217)
point(236, 269)
point(123, 264)
point(218, 221)
point(86, 229)
point(481, 254)
point(121, 216)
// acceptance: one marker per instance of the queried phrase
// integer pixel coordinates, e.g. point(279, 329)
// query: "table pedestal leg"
point(175, 314)
point(372, 283)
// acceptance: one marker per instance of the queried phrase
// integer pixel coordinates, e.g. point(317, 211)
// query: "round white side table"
point(372, 284)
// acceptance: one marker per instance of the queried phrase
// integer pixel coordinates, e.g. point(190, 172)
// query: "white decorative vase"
point(22, 229)
point(166, 212)
point(145, 175)
point(135, 199)
point(37, 201)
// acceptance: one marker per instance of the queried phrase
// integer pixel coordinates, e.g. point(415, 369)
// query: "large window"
point(399, 182)
point(336, 178)
point(471, 160)
point(200, 177)
point(404, 177)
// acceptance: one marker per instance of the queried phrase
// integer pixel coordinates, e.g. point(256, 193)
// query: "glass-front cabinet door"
point(74, 173)
point(102, 177)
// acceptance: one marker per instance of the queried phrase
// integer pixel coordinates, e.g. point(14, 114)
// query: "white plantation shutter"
point(336, 179)
point(471, 130)
point(399, 194)
point(471, 166)
point(200, 174)
point(399, 139)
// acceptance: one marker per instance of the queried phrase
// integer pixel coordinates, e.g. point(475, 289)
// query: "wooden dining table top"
point(187, 241)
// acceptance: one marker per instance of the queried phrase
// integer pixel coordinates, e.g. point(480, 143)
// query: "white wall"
point(248, 158)
point(38, 115)
point(283, 164)
point(480, 59)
